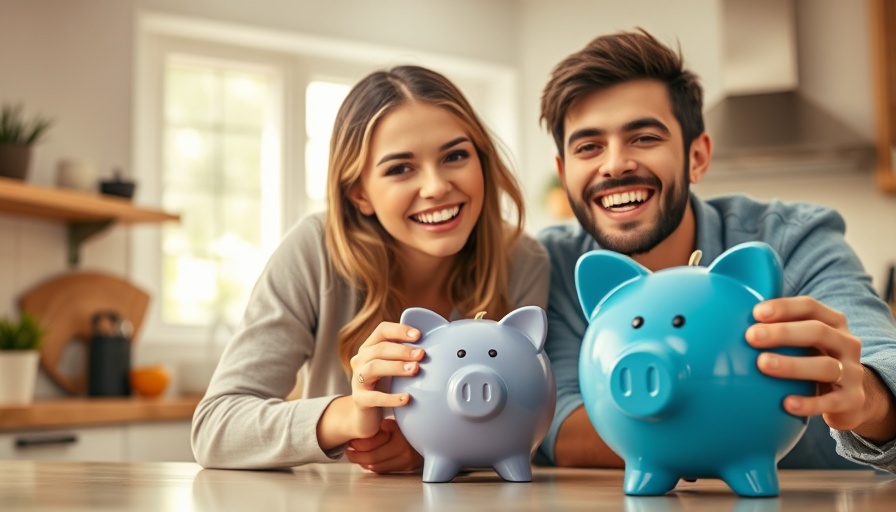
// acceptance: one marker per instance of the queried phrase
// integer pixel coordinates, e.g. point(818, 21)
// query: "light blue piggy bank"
point(484, 396)
point(668, 379)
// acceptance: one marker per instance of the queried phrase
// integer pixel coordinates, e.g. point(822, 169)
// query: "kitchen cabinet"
point(85, 214)
point(99, 429)
point(167, 441)
point(882, 15)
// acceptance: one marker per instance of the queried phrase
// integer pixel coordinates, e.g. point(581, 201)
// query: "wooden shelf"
point(85, 214)
point(74, 412)
point(20, 198)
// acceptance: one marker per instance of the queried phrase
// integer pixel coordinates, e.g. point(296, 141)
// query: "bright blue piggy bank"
point(668, 379)
point(484, 396)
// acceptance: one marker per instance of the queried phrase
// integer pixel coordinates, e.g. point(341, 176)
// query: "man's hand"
point(849, 396)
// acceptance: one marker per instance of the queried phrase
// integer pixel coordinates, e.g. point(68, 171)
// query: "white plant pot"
point(18, 373)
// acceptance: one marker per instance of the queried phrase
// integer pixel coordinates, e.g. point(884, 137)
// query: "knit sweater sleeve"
point(244, 421)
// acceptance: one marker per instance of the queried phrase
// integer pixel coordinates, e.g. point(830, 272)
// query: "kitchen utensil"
point(66, 305)
point(109, 362)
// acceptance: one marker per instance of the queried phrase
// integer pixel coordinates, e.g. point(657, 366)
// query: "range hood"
point(763, 121)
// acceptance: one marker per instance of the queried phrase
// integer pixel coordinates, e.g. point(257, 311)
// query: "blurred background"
point(220, 111)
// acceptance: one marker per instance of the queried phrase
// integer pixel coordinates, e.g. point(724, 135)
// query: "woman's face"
point(422, 180)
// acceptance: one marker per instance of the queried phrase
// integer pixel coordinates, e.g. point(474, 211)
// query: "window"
point(322, 101)
point(220, 144)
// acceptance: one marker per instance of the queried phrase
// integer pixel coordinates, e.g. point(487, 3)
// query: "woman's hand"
point(383, 354)
point(387, 451)
point(847, 396)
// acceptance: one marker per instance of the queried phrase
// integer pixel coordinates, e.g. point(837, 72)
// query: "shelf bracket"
point(78, 232)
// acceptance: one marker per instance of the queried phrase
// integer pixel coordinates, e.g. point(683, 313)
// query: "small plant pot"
point(18, 373)
point(14, 161)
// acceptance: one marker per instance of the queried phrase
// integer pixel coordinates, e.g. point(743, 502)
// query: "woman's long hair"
point(364, 253)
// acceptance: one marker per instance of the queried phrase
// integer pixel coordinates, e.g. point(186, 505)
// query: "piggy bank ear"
point(531, 321)
point(422, 319)
point(600, 272)
point(756, 265)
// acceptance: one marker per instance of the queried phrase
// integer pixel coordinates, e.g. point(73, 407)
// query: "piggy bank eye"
point(678, 321)
point(492, 353)
point(461, 353)
point(637, 322)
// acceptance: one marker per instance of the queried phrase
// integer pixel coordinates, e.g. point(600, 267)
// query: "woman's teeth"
point(437, 216)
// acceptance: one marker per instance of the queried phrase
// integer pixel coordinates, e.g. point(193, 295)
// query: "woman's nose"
point(434, 184)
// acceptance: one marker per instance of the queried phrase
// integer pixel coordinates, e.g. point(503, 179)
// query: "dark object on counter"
point(109, 359)
point(117, 186)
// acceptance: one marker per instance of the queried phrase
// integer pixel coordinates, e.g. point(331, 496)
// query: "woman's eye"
point(458, 155)
point(397, 170)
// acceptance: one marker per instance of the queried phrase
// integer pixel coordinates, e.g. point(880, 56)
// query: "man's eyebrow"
point(637, 124)
point(583, 133)
point(646, 122)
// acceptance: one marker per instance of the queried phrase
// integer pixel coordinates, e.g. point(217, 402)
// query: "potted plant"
point(17, 135)
point(19, 343)
point(555, 200)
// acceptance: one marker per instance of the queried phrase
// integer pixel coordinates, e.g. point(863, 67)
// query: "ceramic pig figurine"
point(484, 396)
point(668, 379)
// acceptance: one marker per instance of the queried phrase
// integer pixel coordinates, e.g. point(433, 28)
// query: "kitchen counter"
point(151, 486)
point(73, 412)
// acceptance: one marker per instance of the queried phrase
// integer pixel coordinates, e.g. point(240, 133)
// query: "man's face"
point(625, 169)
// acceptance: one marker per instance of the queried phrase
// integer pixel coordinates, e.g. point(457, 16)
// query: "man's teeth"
point(438, 216)
point(622, 198)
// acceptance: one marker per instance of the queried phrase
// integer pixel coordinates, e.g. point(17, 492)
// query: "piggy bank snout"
point(646, 381)
point(476, 392)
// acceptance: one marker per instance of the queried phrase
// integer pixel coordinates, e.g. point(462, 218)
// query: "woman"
point(414, 219)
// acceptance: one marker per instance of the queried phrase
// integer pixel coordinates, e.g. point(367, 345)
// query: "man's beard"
point(634, 240)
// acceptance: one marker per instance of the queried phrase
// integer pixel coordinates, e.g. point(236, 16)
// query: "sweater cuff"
point(855, 447)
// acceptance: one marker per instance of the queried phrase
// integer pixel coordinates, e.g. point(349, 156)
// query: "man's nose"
point(617, 161)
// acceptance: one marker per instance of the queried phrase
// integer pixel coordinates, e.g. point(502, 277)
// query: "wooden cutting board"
point(66, 305)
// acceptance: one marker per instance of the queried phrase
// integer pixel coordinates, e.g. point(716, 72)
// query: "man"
point(627, 121)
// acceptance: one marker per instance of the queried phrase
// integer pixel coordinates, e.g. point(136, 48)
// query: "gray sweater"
point(294, 314)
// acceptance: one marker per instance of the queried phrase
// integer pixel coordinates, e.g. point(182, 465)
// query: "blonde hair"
point(361, 249)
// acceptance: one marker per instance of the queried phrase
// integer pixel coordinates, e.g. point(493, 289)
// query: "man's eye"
point(585, 148)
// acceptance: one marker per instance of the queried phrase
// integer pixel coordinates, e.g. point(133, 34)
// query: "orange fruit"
point(150, 381)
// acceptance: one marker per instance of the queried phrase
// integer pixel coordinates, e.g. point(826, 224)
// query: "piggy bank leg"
point(647, 480)
point(515, 468)
point(439, 469)
point(756, 476)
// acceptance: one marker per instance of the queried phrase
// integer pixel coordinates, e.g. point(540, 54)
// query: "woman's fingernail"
point(795, 403)
point(760, 333)
point(764, 311)
point(772, 361)
point(409, 366)
point(413, 333)
point(416, 353)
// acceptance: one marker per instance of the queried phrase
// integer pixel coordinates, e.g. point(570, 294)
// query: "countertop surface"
point(182, 487)
point(75, 412)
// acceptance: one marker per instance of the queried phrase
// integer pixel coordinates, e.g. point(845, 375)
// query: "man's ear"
point(559, 162)
point(358, 198)
point(700, 155)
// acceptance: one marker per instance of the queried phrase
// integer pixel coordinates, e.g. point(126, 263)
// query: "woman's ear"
point(700, 155)
point(358, 198)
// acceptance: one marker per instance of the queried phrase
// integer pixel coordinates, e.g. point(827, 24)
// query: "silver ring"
point(361, 377)
point(840, 375)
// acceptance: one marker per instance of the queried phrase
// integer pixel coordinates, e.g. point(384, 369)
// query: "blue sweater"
point(817, 262)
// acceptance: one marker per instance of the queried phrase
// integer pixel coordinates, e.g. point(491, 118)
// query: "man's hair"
point(612, 59)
